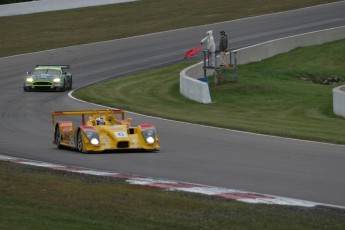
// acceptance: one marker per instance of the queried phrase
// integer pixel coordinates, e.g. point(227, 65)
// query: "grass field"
point(279, 96)
point(36, 198)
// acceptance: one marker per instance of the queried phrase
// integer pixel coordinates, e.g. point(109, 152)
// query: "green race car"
point(48, 77)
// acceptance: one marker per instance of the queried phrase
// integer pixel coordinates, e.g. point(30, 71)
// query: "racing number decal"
point(120, 134)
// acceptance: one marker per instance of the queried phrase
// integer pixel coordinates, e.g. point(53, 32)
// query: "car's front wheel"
point(63, 87)
point(70, 84)
point(57, 137)
point(80, 141)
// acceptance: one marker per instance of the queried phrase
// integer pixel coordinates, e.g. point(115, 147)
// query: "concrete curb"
point(169, 185)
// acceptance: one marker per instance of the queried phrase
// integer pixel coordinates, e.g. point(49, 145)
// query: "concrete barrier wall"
point(268, 49)
point(196, 90)
point(192, 88)
point(339, 101)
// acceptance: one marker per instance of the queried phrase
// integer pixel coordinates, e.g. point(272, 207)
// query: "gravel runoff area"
point(51, 5)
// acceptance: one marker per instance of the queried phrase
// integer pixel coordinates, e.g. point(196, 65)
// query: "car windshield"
point(47, 71)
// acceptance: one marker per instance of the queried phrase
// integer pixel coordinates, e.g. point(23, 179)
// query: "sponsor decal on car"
point(120, 134)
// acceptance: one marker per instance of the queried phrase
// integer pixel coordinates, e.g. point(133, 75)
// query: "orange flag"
point(192, 52)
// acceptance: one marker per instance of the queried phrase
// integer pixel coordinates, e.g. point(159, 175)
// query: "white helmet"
point(100, 121)
point(209, 33)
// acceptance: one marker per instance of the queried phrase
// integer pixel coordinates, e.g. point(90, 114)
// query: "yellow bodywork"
point(103, 130)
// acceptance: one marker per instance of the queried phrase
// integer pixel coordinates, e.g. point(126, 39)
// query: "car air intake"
point(122, 144)
point(42, 83)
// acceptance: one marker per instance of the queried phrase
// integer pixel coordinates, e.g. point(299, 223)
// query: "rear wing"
point(88, 112)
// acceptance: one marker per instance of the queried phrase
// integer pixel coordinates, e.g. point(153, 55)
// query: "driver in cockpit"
point(100, 121)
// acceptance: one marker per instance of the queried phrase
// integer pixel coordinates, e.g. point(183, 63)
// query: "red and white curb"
point(168, 185)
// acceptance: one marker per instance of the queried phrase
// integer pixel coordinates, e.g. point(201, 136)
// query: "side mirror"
point(28, 73)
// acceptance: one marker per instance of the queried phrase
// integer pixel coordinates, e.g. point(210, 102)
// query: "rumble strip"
point(168, 185)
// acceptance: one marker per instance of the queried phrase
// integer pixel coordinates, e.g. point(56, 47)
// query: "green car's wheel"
point(80, 142)
point(57, 137)
point(63, 88)
point(70, 85)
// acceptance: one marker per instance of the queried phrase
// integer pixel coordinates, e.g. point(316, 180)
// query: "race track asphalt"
point(51, 5)
point(190, 153)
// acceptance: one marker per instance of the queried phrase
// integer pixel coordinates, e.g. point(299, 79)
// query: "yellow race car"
point(102, 130)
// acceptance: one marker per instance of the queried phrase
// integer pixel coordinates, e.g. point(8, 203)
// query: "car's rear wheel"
point(80, 142)
point(57, 137)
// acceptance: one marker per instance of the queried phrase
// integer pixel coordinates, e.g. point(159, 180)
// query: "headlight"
point(93, 137)
point(56, 80)
point(150, 140)
point(149, 135)
point(94, 141)
point(29, 79)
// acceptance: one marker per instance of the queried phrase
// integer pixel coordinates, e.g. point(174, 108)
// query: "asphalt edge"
point(178, 186)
